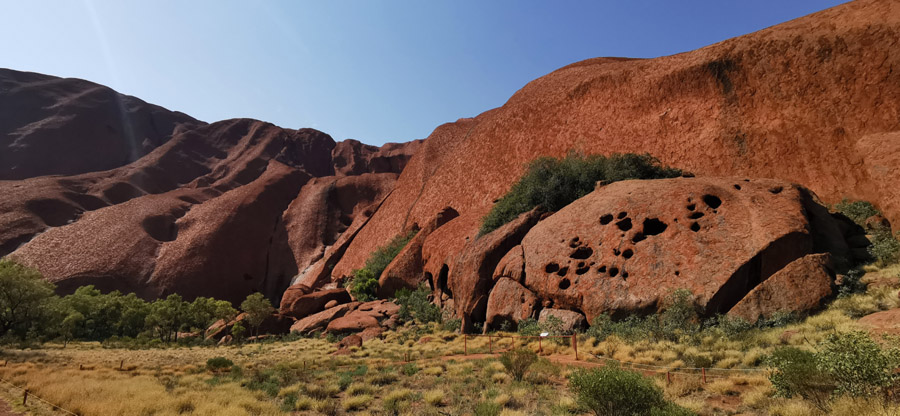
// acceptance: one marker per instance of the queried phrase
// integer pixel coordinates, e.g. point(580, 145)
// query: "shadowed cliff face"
point(812, 101)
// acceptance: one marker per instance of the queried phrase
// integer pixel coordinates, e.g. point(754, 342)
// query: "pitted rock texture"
point(626, 246)
point(810, 101)
point(800, 287)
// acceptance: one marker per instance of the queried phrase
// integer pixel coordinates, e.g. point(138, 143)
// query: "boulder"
point(882, 323)
point(318, 321)
point(801, 286)
point(571, 320)
point(512, 265)
point(226, 340)
point(510, 302)
point(350, 341)
point(624, 247)
point(353, 322)
point(406, 270)
point(470, 278)
point(314, 302)
point(371, 333)
point(380, 309)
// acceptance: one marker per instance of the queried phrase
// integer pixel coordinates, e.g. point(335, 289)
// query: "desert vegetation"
point(553, 183)
point(363, 284)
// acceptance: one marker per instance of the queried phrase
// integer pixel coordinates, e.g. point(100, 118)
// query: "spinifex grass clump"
point(554, 183)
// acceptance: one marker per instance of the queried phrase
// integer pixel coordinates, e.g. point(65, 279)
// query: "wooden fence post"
point(490, 344)
point(465, 344)
point(25, 397)
point(575, 345)
point(121, 364)
point(703, 371)
point(668, 377)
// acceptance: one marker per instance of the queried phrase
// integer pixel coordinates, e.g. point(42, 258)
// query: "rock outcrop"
point(800, 286)
point(811, 101)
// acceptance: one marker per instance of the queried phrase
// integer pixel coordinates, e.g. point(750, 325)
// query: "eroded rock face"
point(405, 271)
point(310, 303)
point(801, 286)
point(719, 110)
point(626, 246)
point(509, 302)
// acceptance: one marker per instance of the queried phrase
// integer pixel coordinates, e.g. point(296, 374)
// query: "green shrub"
point(885, 248)
point(409, 369)
point(217, 364)
point(517, 361)
point(797, 373)
point(529, 327)
point(414, 305)
point(487, 408)
point(364, 282)
point(857, 211)
point(613, 391)
point(452, 325)
point(858, 365)
point(554, 183)
point(680, 316)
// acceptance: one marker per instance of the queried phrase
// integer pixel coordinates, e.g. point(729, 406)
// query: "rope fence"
point(27, 394)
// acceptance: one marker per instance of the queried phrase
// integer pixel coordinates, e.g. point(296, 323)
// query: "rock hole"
point(601, 269)
point(638, 237)
point(564, 284)
point(691, 207)
point(621, 215)
point(628, 253)
point(616, 252)
point(696, 215)
point(613, 271)
point(581, 253)
point(582, 270)
point(624, 225)
point(624, 275)
point(776, 190)
point(695, 227)
point(677, 273)
point(738, 187)
point(712, 201)
point(653, 226)
point(606, 219)
point(552, 267)
point(160, 227)
point(563, 271)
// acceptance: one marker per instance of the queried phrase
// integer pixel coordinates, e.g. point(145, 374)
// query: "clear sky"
point(376, 71)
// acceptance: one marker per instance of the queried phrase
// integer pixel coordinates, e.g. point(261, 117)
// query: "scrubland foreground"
point(423, 369)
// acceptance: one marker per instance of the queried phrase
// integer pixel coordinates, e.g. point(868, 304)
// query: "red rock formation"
point(626, 246)
point(354, 158)
point(66, 126)
point(509, 302)
point(405, 271)
point(799, 287)
point(308, 304)
point(811, 101)
point(319, 321)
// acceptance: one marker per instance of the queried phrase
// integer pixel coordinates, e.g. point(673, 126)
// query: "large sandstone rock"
point(512, 265)
point(470, 278)
point(801, 286)
point(308, 304)
point(320, 320)
point(570, 320)
point(624, 247)
point(353, 322)
point(766, 104)
point(509, 302)
point(354, 158)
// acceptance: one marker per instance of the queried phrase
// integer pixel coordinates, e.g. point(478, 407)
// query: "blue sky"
point(376, 71)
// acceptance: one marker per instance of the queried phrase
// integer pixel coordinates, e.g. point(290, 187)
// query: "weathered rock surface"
point(353, 322)
point(512, 265)
point(883, 323)
point(509, 302)
point(67, 126)
point(626, 246)
point(405, 271)
point(801, 286)
point(354, 158)
point(320, 320)
point(470, 277)
point(310, 303)
point(570, 320)
point(810, 101)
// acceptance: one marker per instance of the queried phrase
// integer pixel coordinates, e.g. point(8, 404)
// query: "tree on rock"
point(257, 308)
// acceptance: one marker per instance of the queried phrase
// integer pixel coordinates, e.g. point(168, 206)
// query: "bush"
point(217, 364)
point(613, 391)
point(364, 282)
point(414, 305)
point(885, 248)
point(846, 364)
point(529, 327)
point(517, 361)
point(554, 183)
point(857, 211)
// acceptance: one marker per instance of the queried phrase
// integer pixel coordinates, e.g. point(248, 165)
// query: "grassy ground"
point(302, 377)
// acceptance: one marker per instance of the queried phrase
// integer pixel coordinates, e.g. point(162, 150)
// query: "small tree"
point(24, 299)
point(257, 308)
point(68, 325)
point(517, 361)
point(237, 330)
